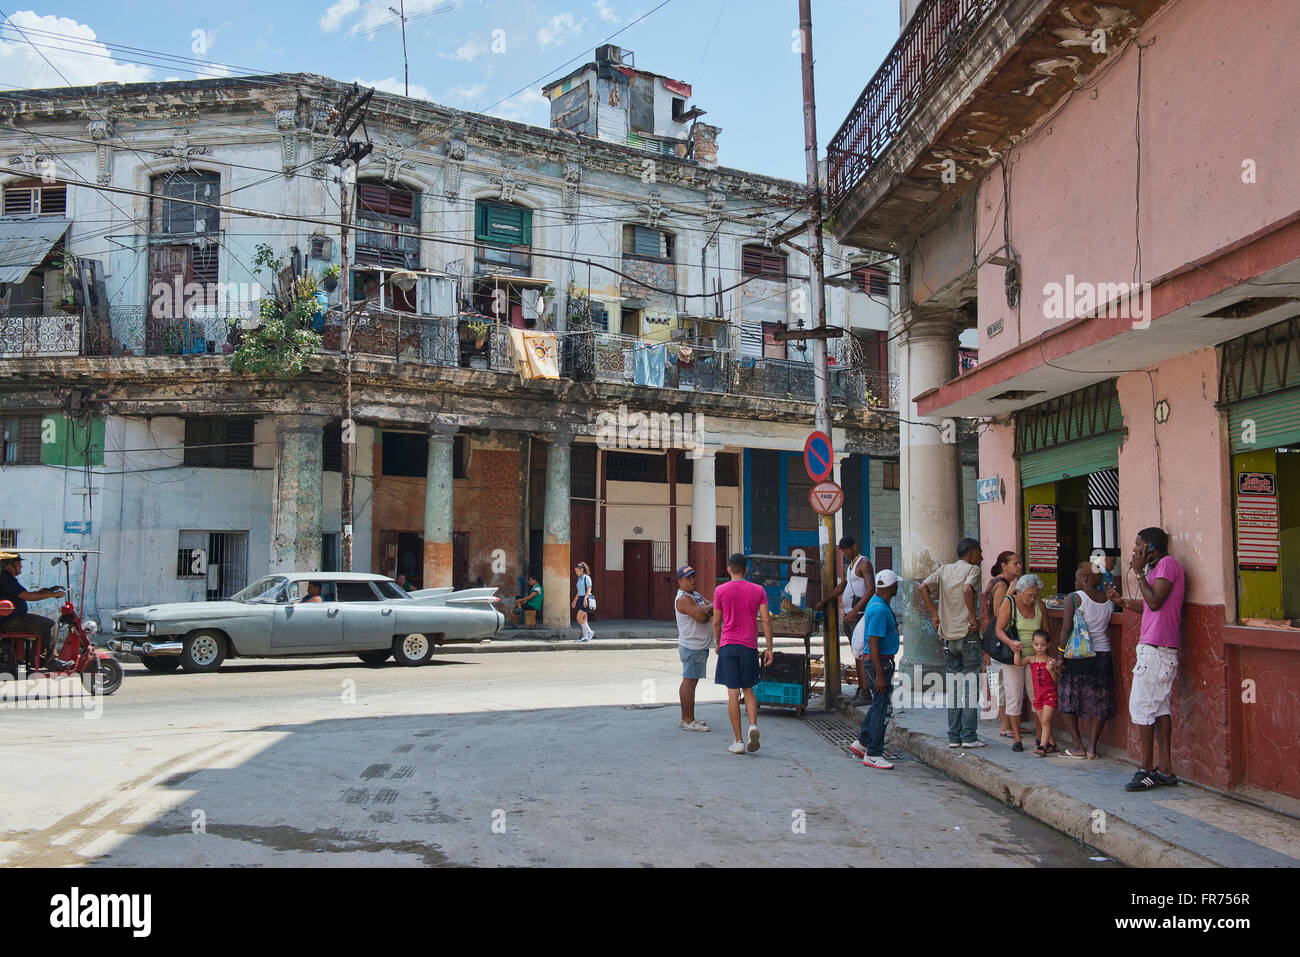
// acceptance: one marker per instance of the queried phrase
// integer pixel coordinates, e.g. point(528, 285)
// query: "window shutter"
point(760, 261)
point(18, 201)
point(646, 242)
point(506, 225)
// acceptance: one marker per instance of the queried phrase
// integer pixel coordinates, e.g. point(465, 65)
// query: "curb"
point(1122, 841)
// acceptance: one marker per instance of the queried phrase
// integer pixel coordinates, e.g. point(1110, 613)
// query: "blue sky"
point(740, 57)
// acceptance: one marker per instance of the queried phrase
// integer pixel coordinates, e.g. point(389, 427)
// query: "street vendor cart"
point(785, 682)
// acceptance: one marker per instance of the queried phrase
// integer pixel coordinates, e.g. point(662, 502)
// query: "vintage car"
point(367, 614)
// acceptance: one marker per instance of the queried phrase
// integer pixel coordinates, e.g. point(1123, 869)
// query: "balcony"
point(24, 337)
point(964, 82)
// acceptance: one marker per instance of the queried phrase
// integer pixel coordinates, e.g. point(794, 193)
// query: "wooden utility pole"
point(346, 158)
point(821, 370)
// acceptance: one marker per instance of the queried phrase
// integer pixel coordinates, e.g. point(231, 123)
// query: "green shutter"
point(1070, 460)
point(507, 225)
point(1273, 419)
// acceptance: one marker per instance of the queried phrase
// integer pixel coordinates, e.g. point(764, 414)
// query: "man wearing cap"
point(854, 592)
point(694, 635)
point(12, 590)
point(878, 633)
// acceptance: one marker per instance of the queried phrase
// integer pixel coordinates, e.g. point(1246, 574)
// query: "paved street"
point(568, 758)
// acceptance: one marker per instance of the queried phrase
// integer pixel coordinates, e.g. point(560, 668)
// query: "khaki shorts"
point(1153, 680)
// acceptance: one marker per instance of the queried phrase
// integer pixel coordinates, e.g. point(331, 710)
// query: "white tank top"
point(1096, 615)
point(854, 585)
point(692, 634)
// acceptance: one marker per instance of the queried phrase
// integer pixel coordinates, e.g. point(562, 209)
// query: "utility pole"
point(406, 68)
point(821, 371)
point(346, 158)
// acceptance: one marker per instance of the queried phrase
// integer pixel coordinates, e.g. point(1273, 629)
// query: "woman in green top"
point(1023, 608)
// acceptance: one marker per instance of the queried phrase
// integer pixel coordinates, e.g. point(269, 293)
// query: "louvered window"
point(647, 243)
point(875, 282)
point(34, 198)
point(392, 212)
point(761, 261)
point(502, 224)
point(219, 443)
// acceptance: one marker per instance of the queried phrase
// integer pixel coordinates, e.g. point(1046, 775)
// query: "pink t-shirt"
point(738, 603)
point(1164, 627)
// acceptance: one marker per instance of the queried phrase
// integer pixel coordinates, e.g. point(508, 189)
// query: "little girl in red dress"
point(1044, 669)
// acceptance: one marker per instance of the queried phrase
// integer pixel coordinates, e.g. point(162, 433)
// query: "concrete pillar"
point(296, 498)
point(557, 578)
point(704, 521)
point(930, 503)
point(438, 501)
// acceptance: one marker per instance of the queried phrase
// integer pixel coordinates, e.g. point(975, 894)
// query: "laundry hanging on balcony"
point(536, 355)
point(648, 364)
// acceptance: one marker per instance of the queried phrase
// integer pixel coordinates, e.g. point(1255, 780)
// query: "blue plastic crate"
point(771, 692)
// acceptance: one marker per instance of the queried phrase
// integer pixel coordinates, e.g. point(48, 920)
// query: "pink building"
point(1107, 194)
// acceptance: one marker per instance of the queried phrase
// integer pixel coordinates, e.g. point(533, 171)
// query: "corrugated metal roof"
point(24, 244)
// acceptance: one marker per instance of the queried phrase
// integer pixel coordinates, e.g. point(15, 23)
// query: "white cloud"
point(526, 107)
point(607, 12)
point(395, 84)
point(333, 18)
point(467, 52)
point(558, 29)
point(83, 62)
point(464, 96)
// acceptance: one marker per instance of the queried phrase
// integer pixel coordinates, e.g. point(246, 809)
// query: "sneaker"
point(975, 744)
point(857, 748)
point(1143, 781)
point(954, 744)
point(737, 747)
point(1165, 780)
point(859, 700)
point(877, 761)
point(753, 737)
point(586, 638)
point(692, 726)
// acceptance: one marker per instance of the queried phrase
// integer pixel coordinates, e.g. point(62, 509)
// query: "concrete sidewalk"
point(1183, 826)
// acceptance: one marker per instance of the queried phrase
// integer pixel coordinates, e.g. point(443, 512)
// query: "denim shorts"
point(695, 662)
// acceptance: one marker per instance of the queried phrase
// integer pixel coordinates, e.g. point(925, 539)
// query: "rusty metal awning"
point(24, 244)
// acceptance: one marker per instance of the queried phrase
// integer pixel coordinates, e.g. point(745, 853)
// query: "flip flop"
point(1005, 734)
point(1069, 753)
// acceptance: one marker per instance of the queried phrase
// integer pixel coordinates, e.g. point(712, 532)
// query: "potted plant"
point(478, 330)
point(330, 278)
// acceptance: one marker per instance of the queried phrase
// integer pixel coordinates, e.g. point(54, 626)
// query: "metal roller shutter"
point(1070, 460)
point(1270, 421)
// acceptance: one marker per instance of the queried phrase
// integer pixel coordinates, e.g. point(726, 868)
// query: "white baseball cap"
point(885, 578)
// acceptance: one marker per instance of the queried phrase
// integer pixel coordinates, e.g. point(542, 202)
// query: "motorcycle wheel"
point(110, 669)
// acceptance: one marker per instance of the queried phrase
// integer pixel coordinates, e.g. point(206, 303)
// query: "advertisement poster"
point(1257, 521)
point(1042, 538)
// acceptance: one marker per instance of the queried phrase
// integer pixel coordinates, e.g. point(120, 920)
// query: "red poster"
point(1257, 522)
point(1042, 538)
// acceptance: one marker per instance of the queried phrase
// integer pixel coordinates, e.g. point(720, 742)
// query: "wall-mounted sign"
point(1042, 538)
point(1257, 521)
point(989, 489)
point(76, 528)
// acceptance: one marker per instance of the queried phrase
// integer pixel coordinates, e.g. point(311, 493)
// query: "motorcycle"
point(73, 642)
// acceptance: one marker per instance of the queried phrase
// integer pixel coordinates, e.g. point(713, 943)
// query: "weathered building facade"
point(133, 219)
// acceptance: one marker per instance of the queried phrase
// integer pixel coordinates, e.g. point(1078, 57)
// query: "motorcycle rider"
point(14, 591)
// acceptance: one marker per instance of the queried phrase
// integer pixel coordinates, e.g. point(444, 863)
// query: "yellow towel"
point(536, 354)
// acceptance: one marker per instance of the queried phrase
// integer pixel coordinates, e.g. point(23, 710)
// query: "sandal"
point(1071, 753)
point(1006, 734)
point(1050, 749)
point(1040, 751)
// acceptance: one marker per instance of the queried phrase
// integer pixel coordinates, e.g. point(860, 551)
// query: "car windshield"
point(390, 589)
point(264, 589)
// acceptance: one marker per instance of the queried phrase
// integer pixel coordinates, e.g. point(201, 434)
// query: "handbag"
point(993, 646)
point(591, 602)
point(1079, 644)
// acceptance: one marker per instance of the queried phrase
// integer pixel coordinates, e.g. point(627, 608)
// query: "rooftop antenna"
point(406, 68)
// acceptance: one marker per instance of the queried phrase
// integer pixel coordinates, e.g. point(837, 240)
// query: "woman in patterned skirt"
point(1087, 687)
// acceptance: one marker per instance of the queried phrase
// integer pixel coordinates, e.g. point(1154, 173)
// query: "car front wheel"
point(412, 650)
point(202, 652)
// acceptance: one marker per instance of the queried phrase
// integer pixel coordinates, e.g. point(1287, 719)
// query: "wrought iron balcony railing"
point(932, 39)
point(23, 337)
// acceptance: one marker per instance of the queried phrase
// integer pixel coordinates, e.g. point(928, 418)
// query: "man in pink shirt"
point(735, 632)
point(1162, 584)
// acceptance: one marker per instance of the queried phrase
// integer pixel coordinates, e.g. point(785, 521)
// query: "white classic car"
point(358, 612)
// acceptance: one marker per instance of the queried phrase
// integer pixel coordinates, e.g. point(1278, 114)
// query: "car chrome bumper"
point(143, 645)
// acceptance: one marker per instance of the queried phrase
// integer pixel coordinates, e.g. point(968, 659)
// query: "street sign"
point(76, 528)
point(988, 489)
point(818, 456)
point(826, 498)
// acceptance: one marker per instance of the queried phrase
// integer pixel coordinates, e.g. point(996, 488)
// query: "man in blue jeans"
point(957, 620)
point(877, 633)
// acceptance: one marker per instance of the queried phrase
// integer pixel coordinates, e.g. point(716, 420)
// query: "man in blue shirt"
point(11, 589)
point(877, 633)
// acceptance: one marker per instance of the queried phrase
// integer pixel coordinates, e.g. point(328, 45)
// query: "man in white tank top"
point(694, 636)
point(854, 592)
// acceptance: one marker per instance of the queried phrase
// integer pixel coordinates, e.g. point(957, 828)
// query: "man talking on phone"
point(1161, 583)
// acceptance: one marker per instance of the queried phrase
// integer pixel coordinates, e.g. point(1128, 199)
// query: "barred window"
point(21, 444)
point(219, 443)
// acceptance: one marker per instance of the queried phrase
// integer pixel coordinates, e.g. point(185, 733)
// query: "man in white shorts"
point(1162, 584)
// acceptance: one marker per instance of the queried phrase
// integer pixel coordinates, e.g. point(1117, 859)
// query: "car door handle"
point(332, 613)
point(388, 611)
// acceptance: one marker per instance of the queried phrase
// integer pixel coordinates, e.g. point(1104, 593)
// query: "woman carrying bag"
point(1020, 615)
point(584, 601)
point(1087, 688)
point(1005, 571)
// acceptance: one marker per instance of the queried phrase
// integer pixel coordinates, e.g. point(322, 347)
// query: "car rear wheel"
point(202, 652)
point(412, 650)
point(375, 657)
point(160, 664)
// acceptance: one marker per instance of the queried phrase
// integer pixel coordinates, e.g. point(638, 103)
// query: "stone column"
point(296, 502)
point(704, 520)
point(438, 500)
point(930, 503)
point(557, 579)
